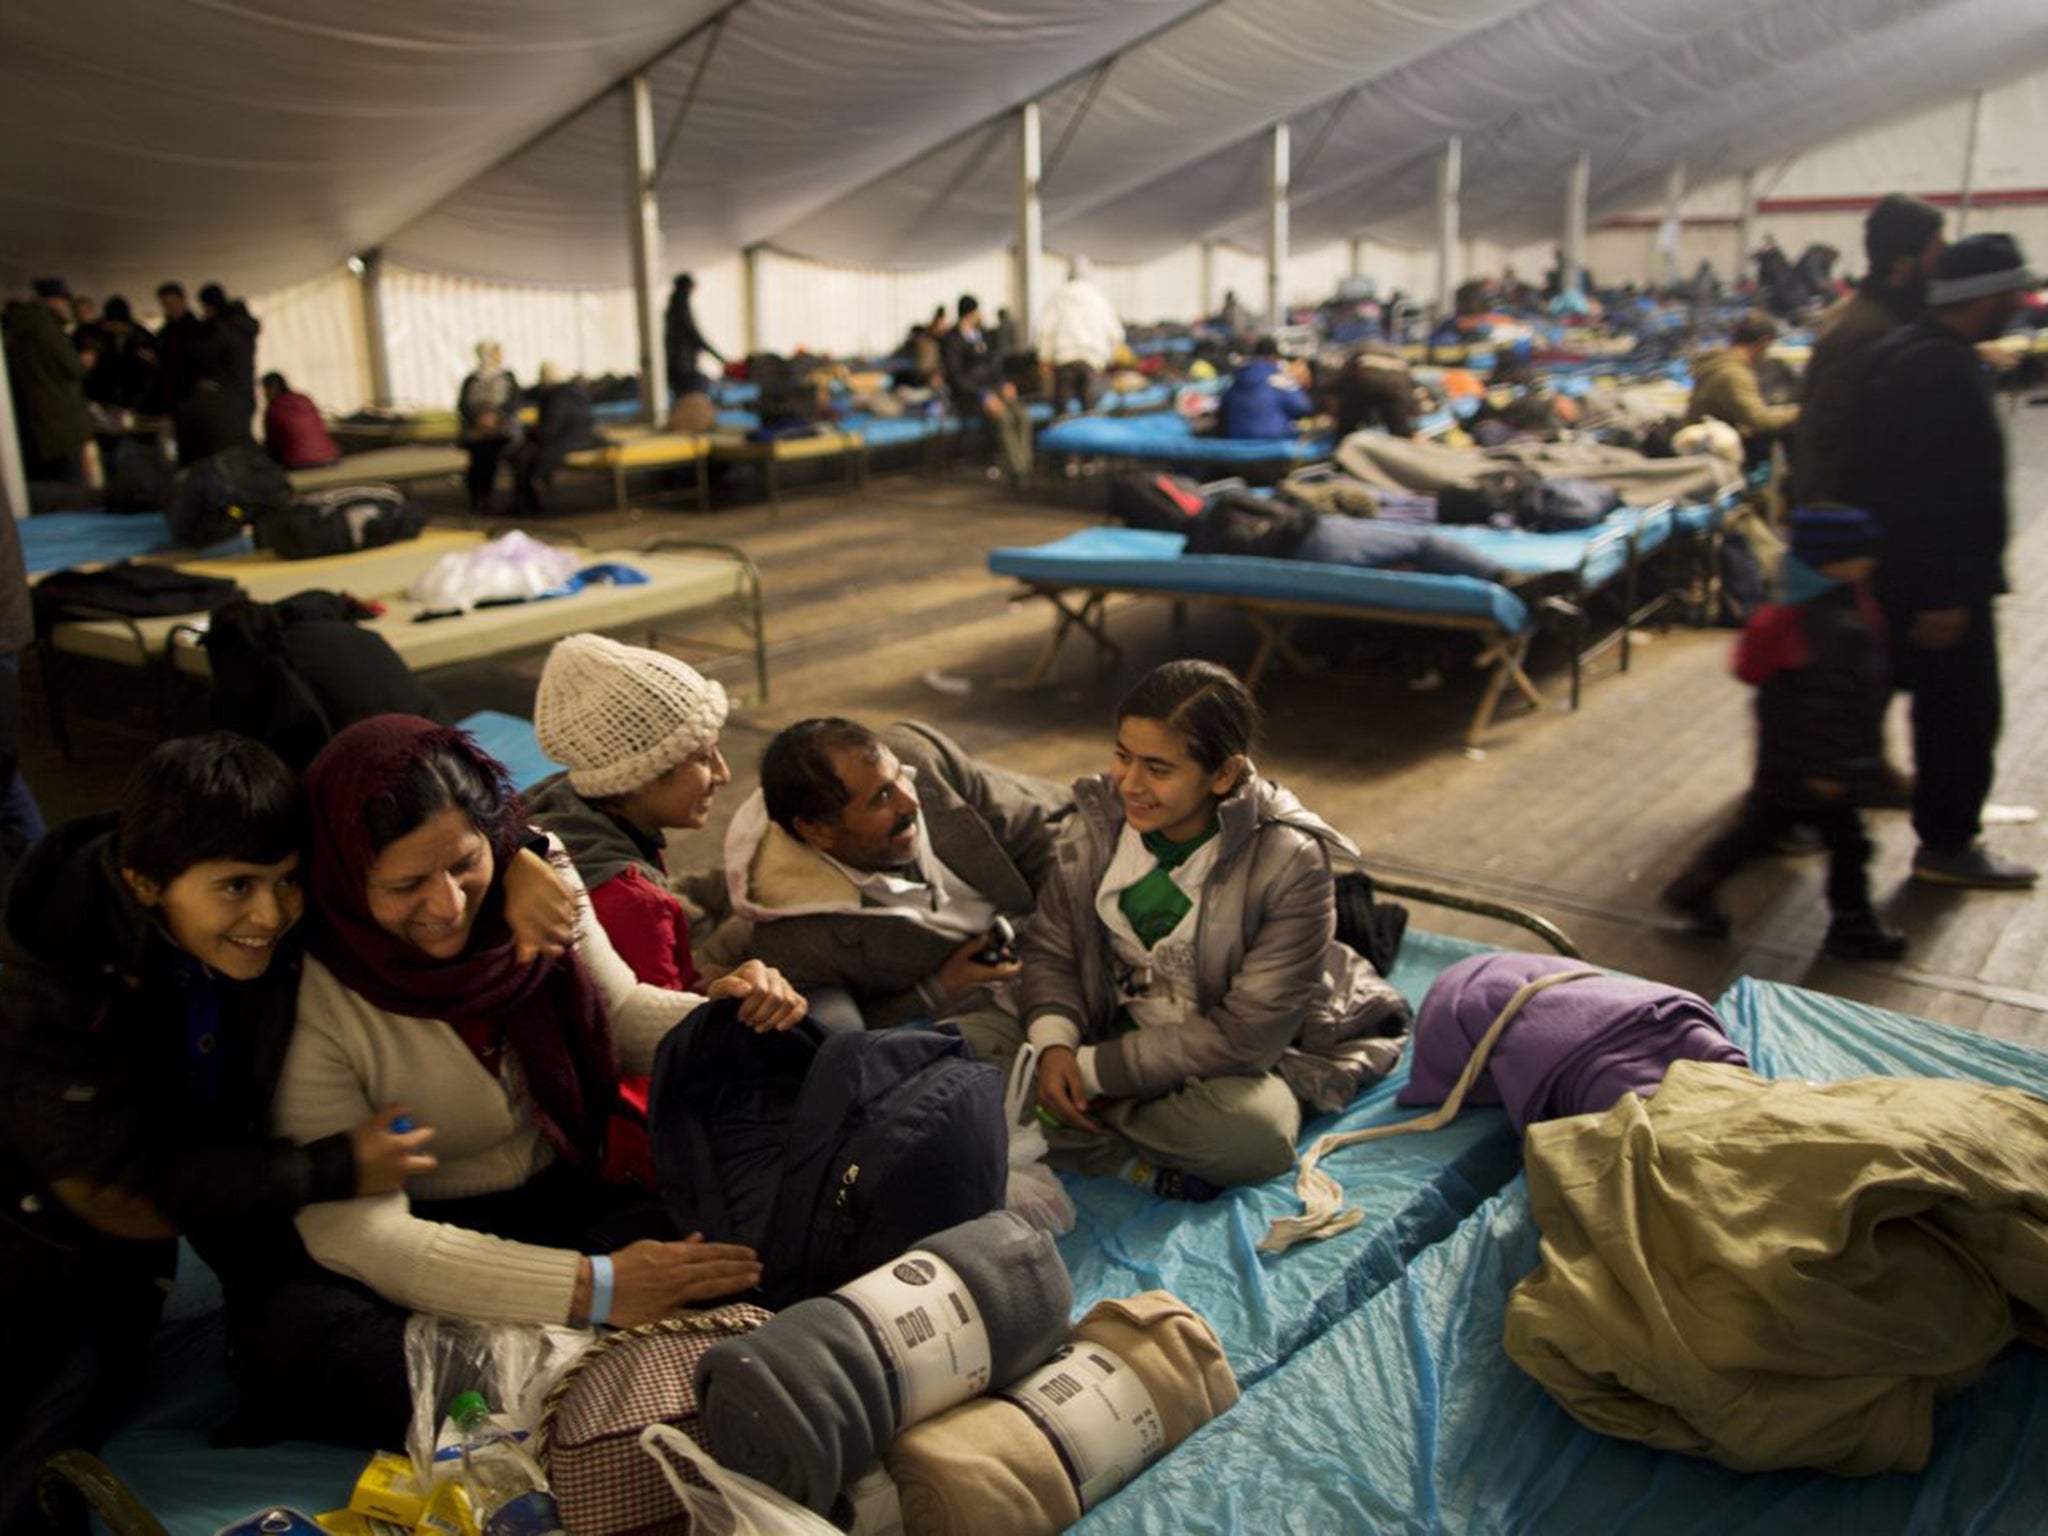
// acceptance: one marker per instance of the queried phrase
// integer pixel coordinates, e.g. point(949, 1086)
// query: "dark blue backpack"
point(828, 1154)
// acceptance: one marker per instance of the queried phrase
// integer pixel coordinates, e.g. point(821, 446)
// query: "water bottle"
point(507, 1488)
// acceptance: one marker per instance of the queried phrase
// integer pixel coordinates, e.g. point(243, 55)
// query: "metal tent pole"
point(643, 212)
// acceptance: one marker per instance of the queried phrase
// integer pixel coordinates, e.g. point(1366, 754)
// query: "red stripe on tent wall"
point(2001, 197)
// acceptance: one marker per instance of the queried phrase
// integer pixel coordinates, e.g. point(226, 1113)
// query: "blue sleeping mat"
point(1600, 551)
point(1164, 436)
point(1137, 559)
point(57, 540)
point(1408, 1415)
point(511, 740)
point(1414, 1191)
point(1125, 1241)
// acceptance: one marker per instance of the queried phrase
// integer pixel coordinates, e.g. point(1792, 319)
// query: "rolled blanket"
point(807, 1401)
point(1573, 1051)
point(988, 1468)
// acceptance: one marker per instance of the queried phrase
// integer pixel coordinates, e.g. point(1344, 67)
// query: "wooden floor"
point(880, 608)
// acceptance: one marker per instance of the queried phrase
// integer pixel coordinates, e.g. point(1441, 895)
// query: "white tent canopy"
point(867, 150)
point(265, 144)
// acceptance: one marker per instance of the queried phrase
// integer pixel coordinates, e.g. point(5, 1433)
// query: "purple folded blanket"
point(1574, 1049)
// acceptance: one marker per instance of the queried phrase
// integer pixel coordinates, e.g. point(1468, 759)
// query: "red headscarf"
point(547, 1010)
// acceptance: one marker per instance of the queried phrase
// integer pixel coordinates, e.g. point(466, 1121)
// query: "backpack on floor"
point(1162, 503)
point(339, 522)
point(828, 1154)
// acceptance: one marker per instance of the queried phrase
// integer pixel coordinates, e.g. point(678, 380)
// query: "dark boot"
point(1695, 904)
point(1861, 936)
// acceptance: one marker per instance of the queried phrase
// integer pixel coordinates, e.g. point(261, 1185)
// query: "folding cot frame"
point(1081, 605)
point(169, 652)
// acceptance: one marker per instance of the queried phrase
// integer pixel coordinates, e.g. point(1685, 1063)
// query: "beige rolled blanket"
point(991, 1468)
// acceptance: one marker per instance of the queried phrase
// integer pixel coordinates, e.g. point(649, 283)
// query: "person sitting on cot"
point(1182, 981)
point(1265, 397)
point(152, 967)
point(638, 731)
point(414, 989)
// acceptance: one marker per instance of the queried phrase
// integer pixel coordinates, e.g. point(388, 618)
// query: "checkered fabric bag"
point(589, 1435)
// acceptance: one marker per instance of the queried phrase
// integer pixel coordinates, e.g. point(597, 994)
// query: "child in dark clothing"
point(1817, 661)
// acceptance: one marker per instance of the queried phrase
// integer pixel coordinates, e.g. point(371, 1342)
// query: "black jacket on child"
point(1819, 669)
point(99, 1023)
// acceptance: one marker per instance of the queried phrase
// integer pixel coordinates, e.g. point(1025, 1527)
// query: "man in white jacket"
point(1078, 334)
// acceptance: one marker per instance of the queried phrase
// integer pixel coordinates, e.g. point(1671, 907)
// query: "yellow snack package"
point(448, 1512)
point(387, 1490)
point(346, 1522)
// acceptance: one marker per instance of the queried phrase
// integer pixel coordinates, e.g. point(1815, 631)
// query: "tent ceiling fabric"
point(803, 99)
point(261, 144)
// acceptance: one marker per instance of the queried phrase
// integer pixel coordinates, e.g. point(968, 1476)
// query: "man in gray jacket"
point(880, 861)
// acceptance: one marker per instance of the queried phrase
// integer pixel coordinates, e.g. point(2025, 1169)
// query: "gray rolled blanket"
point(806, 1402)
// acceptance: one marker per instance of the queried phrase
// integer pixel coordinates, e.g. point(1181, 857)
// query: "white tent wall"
point(866, 311)
point(1922, 154)
point(1167, 287)
point(313, 335)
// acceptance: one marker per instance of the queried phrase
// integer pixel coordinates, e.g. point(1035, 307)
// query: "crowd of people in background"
point(84, 373)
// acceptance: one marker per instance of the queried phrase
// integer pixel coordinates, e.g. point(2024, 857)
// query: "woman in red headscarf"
point(414, 994)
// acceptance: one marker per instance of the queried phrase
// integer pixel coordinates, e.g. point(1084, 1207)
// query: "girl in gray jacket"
point(1182, 982)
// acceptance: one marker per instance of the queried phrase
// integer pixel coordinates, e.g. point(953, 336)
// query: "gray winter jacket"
point(990, 826)
point(1275, 989)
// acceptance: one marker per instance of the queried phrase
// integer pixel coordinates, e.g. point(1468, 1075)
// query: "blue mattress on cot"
point(1409, 1416)
point(1265, 1309)
point(1137, 559)
point(1124, 1241)
point(1165, 436)
point(57, 540)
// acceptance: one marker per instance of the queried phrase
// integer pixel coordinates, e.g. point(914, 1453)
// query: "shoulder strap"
point(1324, 1213)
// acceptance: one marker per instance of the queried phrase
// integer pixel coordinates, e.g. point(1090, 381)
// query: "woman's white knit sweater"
point(349, 1059)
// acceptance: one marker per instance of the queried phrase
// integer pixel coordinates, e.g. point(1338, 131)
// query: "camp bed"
point(1408, 1416)
point(629, 451)
point(400, 465)
point(58, 541)
point(687, 580)
point(1165, 438)
point(849, 449)
point(1079, 574)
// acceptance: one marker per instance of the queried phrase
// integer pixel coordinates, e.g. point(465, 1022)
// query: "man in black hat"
point(1902, 238)
point(1926, 456)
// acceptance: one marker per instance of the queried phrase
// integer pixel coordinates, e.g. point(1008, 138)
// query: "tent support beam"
point(1205, 279)
point(13, 473)
point(1450, 175)
point(1030, 220)
point(1279, 173)
point(1578, 188)
point(644, 228)
point(1066, 138)
point(753, 334)
point(1745, 226)
point(675, 129)
point(1969, 164)
point(376, 333)
point(1672, 230)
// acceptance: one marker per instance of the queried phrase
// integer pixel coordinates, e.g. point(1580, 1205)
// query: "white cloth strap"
point(1324, 1213)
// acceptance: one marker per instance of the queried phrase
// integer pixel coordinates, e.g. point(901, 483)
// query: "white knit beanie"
point(619, 717)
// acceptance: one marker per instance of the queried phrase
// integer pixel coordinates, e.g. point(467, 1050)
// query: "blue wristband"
point(600, 1291)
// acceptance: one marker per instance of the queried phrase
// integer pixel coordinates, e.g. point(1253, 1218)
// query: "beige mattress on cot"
point(678, 583)
point(414, 461)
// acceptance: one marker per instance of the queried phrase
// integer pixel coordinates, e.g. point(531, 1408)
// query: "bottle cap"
point(468, 1405)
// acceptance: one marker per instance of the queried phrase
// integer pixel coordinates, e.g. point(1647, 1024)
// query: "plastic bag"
point(510, 569)
point(514, 1366)
point(737, 1506)
point(1034, 1190)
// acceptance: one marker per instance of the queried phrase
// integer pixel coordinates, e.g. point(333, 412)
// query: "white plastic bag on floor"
point(1035, 1191)
point(737, 1505)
